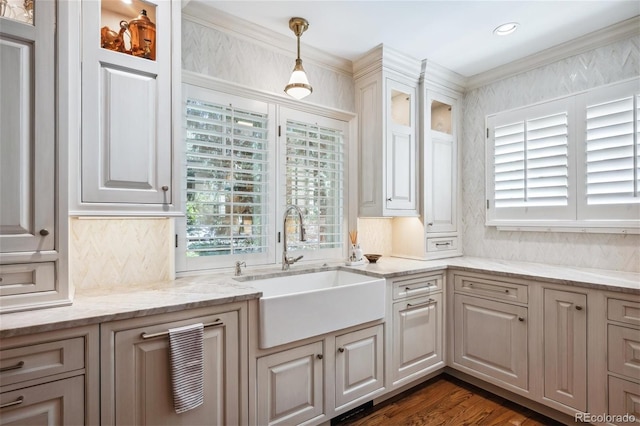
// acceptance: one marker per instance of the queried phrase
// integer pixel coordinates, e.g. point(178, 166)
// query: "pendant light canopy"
point(298, 86)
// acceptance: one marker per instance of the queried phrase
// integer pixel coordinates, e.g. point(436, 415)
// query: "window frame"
point(578, 216)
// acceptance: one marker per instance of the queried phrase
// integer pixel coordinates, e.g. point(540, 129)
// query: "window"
point(228, 177)
point(234, 157)
point(569, 163)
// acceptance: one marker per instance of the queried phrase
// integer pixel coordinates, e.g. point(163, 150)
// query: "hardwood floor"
point(446, 400)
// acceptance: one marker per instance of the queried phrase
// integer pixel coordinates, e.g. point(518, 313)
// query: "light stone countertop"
point(101, 305)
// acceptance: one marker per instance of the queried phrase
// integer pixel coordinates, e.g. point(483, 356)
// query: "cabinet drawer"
point(442, 244)
point(624, 398)
point(623, 311)
point(504, 290)
point(623, 348)
point(36, 361)
point(25, 278)
point(413, 285)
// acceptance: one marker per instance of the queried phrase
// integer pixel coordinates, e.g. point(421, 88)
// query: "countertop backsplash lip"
point(93, 306)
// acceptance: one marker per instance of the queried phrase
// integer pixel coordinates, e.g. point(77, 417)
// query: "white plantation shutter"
point(227, 178)
point(612, 152)
point(315, 181)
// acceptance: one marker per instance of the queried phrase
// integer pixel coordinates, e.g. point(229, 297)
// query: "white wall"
point(215, 53)
point(597, 67)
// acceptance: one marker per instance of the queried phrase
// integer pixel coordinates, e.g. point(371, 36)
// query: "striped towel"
point(186, 350)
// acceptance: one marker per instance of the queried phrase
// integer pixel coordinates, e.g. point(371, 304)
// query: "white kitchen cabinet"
point(624, 400)
point(386, 88)
point(50, 378)
point(136, 372)
point(290, 385)
point(32, 233)
point(127, 119)
point(359, 368)
point(491, 339)
point(565, 348)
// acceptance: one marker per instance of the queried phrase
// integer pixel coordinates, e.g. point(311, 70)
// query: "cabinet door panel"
point(491, 338)
point(27, 132)
point(624, 398)
point(290, 386)
point(441, 209)
point(417, 338)
point(565, 348)
point(56, 403)
point(623, 350)
point(143, 392)
point(359, 364)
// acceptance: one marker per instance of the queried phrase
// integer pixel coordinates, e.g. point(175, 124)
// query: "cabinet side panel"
point(369, 138)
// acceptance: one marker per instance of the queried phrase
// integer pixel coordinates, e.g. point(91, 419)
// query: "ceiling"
point(455, 34)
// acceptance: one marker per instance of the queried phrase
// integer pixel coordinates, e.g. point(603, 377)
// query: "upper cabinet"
point(130, 75)
point(386, 91)
point(32, 242)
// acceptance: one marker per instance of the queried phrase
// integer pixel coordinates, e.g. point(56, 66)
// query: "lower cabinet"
point(296, 385)
point(417, 336)
point(565, 348)
point(136, 371)
point(290, 385)
point(624, 400)
point(491, 338)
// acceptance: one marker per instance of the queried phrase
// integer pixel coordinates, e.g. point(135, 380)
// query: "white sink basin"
point(295, 307)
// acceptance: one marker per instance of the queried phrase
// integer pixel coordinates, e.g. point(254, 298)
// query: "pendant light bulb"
point(298, 86)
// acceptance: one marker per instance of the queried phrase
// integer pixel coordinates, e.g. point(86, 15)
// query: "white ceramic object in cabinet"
point(136, 372)
point(491, 339)
point(565, 348)
point(290, 385)
point(386, 89)
point(128, 116)
point(32, 229)
point(359, 369)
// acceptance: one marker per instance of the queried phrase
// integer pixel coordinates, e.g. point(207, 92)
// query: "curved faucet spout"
point(286, 260)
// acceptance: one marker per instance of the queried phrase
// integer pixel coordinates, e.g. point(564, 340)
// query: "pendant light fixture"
point(298, 86)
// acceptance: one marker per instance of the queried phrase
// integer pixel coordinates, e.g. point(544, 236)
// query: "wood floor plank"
point(446, 400)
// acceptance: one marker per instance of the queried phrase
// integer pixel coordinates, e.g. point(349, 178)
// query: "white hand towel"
point(186, 349)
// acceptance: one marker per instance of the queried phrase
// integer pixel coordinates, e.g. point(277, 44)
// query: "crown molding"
point(620, 31)
point(388, 58)
point(436, 76)
point(204, 14)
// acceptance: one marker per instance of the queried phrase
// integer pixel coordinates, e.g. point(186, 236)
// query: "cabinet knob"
point(165, 188)
point(44, 232)
point(319, 356)
point(430, 224)
point(578, 308)
point(389, 199)
point(340, 350)
point(520, 319)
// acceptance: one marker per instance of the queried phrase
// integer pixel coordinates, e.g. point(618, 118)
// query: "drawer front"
point(26, 278)
point(624, 399)
point(442, 244)
point(623, 349)
point(623, 311)
point(494, 289)
point(36, 361)
point(412, 286)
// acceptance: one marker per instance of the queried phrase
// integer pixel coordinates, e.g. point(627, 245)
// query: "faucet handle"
point(303, 234)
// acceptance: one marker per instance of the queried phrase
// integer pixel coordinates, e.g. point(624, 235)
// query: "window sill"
point(632, 228)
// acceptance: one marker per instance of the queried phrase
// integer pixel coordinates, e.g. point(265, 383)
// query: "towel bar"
point(216, 323)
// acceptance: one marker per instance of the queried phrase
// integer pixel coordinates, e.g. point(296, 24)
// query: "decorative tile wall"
point(597, 67)
point(109, 252)
point(375, 235)
point(212, 52)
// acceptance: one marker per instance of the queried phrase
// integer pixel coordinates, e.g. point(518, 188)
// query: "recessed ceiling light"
point(506, 29)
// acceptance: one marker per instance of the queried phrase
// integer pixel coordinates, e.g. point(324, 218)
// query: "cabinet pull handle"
point(44, 232)
point(428, 302)
point(319, 356)
point(18, 401)
point(443, 244)
point(165, 188)
point(13, 367)
point(430, 224)
point(340, 350)
point(216, 323)
point(520, 319)
point(578, 308)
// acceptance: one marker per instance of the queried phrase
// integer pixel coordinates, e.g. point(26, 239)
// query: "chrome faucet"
point(286, 260)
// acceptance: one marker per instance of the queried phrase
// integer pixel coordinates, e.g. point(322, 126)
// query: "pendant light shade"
point(298, 86)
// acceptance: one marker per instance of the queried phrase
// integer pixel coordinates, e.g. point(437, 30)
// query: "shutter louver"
point(612, 152)
point(314, 182)
point(227, 164)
